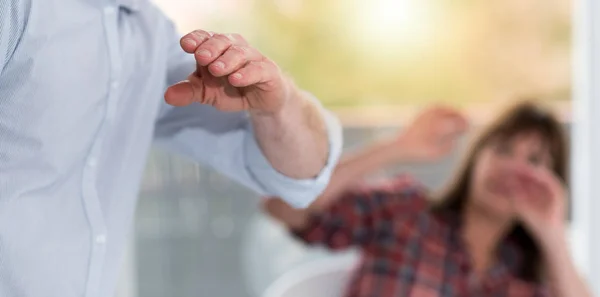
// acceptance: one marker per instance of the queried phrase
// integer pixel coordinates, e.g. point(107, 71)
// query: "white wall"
point(586, 139)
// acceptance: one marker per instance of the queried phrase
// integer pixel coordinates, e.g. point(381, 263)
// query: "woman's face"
point(493, 166)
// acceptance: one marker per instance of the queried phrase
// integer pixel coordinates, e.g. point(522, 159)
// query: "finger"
point(253, 73)
point(210, 90)
point(440, 108)
point(234, 58)
point(265, 200)
point(239, 39)
point(180, 94)
point(535, 193)
point(525, 188)
point(205, 81)
point(449, 130)
point(514, 187)
point(526, 177)
point(452, 120)
point(457, 121)
point(538, 193)
point(549, 178)
point(213, 48)
point(541, 176)
point(276, 207)
point(552, 193)
point(446, 111)
point(191, 41)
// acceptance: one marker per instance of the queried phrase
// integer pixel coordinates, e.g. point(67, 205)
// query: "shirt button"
point(101, 239)
point(92, 162)
point(110, 10)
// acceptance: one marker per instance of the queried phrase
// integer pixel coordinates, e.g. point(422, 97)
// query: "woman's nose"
point(511, 165)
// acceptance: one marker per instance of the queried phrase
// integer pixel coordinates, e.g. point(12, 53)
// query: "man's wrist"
point(298, 130)
point(291, 102)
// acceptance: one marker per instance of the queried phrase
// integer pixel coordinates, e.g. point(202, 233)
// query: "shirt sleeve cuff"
point(297, 192)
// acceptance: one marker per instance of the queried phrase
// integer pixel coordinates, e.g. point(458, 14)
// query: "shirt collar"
point(131, 5)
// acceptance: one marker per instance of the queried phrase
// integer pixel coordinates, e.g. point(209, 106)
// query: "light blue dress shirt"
point(81, 101)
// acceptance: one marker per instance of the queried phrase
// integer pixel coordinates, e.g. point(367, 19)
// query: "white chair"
point(320, 278)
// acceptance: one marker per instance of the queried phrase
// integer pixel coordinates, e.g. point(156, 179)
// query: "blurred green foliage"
point(476, 51)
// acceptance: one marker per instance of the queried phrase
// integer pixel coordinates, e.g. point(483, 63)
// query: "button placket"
point(101, 239)
point(91, 200)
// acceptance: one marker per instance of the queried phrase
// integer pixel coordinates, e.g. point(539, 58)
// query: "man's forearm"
point(295, 139)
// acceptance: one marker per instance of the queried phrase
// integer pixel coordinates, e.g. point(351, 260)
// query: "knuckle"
point(239, 50)
point(199, 33)
point(238, 37)
point(268, 61)
point(257, 64)
point(206, 47)
point(222, 37)
point(270, 64)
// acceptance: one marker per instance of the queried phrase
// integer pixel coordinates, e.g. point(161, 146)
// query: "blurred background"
point(374, 63)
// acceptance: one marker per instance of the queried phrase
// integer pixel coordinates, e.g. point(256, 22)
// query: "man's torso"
point(78, 100)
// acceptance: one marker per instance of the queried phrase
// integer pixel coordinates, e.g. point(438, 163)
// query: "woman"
point(498, 230)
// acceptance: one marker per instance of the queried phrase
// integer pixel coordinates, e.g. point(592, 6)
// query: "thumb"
point(187, 92)
point(266, 200)
point(275, 206)
point(180, 94)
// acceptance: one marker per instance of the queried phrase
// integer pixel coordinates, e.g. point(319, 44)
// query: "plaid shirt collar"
point(507, 253)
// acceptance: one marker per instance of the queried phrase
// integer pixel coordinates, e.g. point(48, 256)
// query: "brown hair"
point(524, 117)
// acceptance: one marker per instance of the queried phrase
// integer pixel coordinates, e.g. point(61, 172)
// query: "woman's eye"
point(535, 161)
point(502, 149)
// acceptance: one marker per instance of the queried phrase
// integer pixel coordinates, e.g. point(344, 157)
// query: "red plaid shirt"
point(409, 251)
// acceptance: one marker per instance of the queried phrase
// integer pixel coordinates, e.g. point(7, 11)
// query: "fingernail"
point(219, 64)
point(190, 42)
point(236, 76)
point(203, 53)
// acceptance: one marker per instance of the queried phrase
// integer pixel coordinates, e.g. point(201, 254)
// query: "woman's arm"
point(431, 136)
point(351, 168)
point(539, 198)
point(354, 166)
point(563, 276)
point(357, 217)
